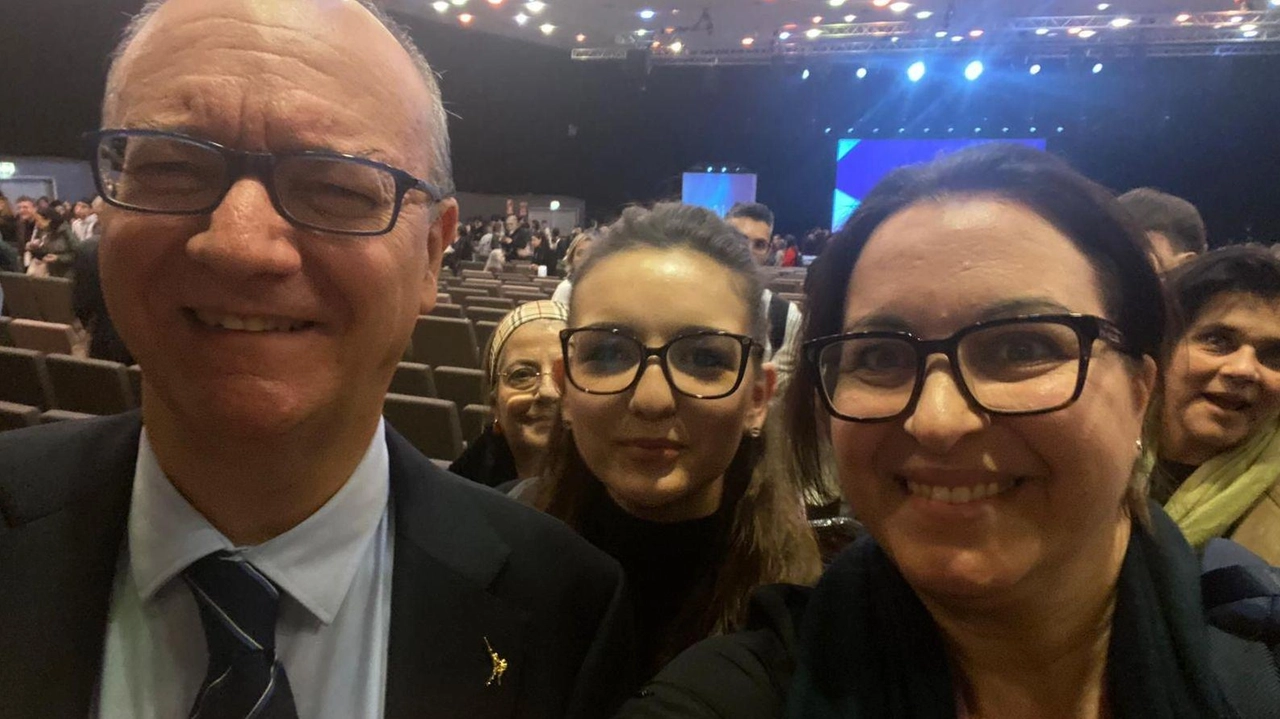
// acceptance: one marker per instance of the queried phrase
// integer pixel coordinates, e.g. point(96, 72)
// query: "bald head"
point(355, 32)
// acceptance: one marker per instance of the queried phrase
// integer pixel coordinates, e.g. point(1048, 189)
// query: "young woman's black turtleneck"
point(665, 564)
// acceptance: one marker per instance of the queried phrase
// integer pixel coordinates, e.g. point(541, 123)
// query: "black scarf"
point(870, 650)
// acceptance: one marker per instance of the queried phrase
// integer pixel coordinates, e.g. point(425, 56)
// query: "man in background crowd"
point(258, 541)
point(85, 224)
point(755, 222)
point(515, 243)
point(1173, 225)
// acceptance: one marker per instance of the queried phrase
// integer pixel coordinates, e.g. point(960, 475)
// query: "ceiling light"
point(495, 2)
point(1248, 27)
point(940, 34)
point(521, 18)
point(784, 35)
point(1042, 31)
point(900, 6)
point(835, 3)
point(895, 38)
point(880, 3)
point(677, 47)
point(812, 32)
point(975, 33)
point(861, 73)
point(1121, 22)
point(957, 38)
point(547, 28)
point(535, 6)
point(924, 14)
point(1035, 70)
point(850, 18)
point(973, 70)
point(1104, 6)
point(641, 32)
point(748, 41)
point(1237, 18)
point(1184, 17)
point(440, 6)
point(816, 19)
point(1250, 33)
point(646, 14)
point(1097, 68)
point(581, 38)
point(459, 3)
point(915, 71)
point(1086, 34)
point(1073, 31)
point(466, 18)
point(805, 75)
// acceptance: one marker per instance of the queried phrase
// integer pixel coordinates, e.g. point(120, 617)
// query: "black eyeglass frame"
point(748, 346)
point(1088, 328)
point(262, 166)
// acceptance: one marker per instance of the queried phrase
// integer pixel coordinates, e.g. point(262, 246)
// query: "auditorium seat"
point(462, 294)
point(460, 385)
point(19, 296)
point(488, 314)
point(475, 417)
point(53, 295)
point(24, 378)
point(548, 284)
point(444, 341)
point(501, 303)
point(447, 310)
point(5, 339)
point(62, 415)
point(135, 381)
point(47, 337)
point(478, 274)
point(522, 296)
point(90, 385)
point(443, 298)
point(430, 425)
point(484, 330)
point(471, 265)
point(414, 379)
point(18, 416)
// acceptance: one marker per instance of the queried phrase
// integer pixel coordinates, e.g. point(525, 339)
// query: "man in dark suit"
point(256, 541)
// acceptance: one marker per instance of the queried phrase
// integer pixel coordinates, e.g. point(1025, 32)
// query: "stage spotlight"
point(1097, 68)
point(1060, 129)
point(835, 3)
point(902, 130)
point(973, 70)
point(555, 205)
point(784, 35)
point(940, 34)
point(724, 169)
point(861, 73)
point(676, 47)
point(521, 18)
point(1004, 130)
point(1184, 18)
point(547, 28)
point(1086, 34)
point(879, 3)
point(1042, 31)
point(1032, 129)
point(535, 6)
point(646, 14)
point(440, 6)
point(900, 7)
point(924, 14)
point(951, 130)
point(805, 75)
point(1104, 6)
point(465, 18)
point(812, 33)
point(1122, 22)
point(916, 71)
point(1035, 69)
point(826, 131)
point(850, 18)
point(748, 41)
point(977, 130)
point(583, 38)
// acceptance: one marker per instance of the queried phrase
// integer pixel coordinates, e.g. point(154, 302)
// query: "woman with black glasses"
point(664, 398)
point(980, 355)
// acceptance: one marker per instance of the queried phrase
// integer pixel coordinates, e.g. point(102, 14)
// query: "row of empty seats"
point(47, 299)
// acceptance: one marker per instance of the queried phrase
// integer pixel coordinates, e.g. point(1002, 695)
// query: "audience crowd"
point(1049, 414)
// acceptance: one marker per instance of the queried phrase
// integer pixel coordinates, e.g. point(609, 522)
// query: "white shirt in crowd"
point(334, 570)
point(83, 229)
point(784, 358)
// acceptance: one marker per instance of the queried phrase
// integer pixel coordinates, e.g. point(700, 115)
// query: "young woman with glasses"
point(657, 461)
point(980, 354)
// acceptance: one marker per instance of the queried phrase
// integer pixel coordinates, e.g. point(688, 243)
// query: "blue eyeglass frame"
point(262, 166)
point(1088, 329)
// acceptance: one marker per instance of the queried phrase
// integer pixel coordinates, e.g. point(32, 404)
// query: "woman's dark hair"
point(1082, 210)
point(768, 540)
point(55, 218)
point(1239, 269)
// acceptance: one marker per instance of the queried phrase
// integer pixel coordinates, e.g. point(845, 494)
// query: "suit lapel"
point(62, 565)
point(446, 556)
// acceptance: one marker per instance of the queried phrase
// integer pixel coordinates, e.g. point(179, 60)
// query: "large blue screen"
point(718, 191)
point(860, 164)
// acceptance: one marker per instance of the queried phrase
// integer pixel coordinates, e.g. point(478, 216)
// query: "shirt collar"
point(313, 562)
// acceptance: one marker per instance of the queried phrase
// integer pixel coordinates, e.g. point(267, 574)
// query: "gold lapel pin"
point(499, 665)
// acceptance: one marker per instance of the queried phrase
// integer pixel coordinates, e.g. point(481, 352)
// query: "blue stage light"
point(916, 71)
point(1035, 69)
point(973, 70)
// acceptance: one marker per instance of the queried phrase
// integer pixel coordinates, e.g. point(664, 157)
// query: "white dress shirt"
point(784, 358)
point(334, 570)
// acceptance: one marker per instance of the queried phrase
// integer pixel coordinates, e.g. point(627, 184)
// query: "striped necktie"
point(238, 607)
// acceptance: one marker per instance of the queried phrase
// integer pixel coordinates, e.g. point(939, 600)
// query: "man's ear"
point(441, 234)
point(762, 391)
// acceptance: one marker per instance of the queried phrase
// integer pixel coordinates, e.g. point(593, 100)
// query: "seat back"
point(430, 425)
point(484, 331)
point(18, 416)
point(19, 296)
point(447, 310)
point(475, 417)
point(24, 378)
point(62, 415)
point(500, 303)
point(460, 385)
point(53, 295)
point(414, 379)
point(444, 341)
point(5, 339)
point(488, 314)
point(135, 381)
point(47, 337)
point(89, 385)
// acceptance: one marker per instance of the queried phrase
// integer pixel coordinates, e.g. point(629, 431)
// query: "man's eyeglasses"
point(702, 365)
point(1015, 366)
point(173, 174)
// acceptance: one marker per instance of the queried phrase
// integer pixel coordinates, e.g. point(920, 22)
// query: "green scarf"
point(1221, 491)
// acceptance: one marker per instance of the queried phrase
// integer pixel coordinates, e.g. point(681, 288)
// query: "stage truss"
point(1045, 38)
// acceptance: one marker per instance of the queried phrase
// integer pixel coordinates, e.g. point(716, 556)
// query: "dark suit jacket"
point(470, 564)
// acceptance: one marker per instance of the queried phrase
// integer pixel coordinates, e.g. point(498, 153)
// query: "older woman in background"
point(1219, 463)
point(522, 394)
